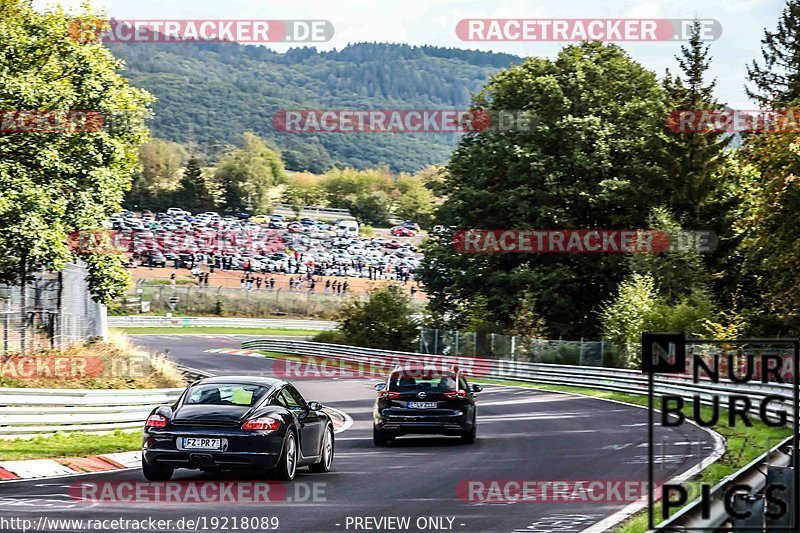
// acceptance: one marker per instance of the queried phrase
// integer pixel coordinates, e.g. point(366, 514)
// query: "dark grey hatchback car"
point(422, 400)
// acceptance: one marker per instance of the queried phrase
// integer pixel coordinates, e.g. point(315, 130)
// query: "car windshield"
point(422, 380)
point(226, 394)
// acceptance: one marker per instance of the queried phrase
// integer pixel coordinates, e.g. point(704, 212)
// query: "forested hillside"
point(210, 93)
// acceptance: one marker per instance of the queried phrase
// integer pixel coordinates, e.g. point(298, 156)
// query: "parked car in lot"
point(347, 228)
point(401, 231)
point(156, 259)
point(210, 238)
point(424, 400)
point(251, 423)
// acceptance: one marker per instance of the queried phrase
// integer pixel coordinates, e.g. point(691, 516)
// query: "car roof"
point(245, 380)
point(425, 368)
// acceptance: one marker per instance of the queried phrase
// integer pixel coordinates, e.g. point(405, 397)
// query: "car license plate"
point(208, 444)
point(422, 405)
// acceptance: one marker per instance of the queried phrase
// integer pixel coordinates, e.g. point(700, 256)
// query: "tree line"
point(253, 178)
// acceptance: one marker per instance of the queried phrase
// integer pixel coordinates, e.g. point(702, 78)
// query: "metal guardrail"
point(185, 322)
point(190, 375)
point(313, 211)
point(753, 475)
point(25, 412)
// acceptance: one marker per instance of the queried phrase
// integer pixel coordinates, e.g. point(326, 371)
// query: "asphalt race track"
point(522, 435)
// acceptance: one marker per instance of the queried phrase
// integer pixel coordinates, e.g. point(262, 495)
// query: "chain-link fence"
point(473, 344)
point(52, 311)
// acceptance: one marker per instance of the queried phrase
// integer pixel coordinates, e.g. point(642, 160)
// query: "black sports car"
point(232, 422)
point(416, 400)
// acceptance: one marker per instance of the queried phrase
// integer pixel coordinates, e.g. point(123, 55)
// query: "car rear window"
point(422, 380)
point(226, 394)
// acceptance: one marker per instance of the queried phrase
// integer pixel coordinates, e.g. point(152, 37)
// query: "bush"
point(330, 337)
point(384, 322)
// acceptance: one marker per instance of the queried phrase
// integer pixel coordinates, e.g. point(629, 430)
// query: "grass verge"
point(70, 445)
point(217, 330)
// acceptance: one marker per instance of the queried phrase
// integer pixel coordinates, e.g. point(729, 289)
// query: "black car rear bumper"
point(241, 450)
point(210, 460)
point(404, 424)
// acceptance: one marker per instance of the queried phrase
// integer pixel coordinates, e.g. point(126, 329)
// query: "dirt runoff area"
point(234, 279)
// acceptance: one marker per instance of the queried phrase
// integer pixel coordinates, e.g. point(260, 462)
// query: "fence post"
point(513, 347)
point(436, 341)
point(580, 353)
point(602, 352)
point(456, 350)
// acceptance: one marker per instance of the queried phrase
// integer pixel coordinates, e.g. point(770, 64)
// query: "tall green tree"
point(692, 157)
point(247, 175)
point(154, 184)
point(53, 184)
point(776, 80)
point(767, 229)
point(589, 159)
point(677, 272)
point(415, 201)
point(193, 192)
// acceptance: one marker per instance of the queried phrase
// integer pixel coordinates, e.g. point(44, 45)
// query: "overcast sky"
point(433, 22)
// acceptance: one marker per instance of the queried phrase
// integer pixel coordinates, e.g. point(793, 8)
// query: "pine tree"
point(193, 192)
point(777, 81)
point(695, 157)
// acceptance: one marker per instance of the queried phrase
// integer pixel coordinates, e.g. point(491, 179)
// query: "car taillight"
point(156, 421)
point(263, 423)
point(388, 394)
point(456, 394)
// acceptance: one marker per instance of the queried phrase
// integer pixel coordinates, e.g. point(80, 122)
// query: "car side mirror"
point(380, 386)
point(314, 406)
point(476, 388)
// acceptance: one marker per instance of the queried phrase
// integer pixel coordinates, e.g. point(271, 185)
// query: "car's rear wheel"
point(156, 472)
point(287, 465)
point(468, 437)
point(326, 457)
point(380, 437)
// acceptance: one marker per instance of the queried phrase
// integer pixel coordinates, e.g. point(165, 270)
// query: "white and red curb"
point(231, 351)
point(67, 466)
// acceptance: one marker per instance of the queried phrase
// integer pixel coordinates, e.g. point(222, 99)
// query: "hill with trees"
point(209, 94)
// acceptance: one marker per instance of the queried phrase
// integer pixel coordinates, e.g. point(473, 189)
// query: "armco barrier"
point(25, 412)
point(185, 322)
